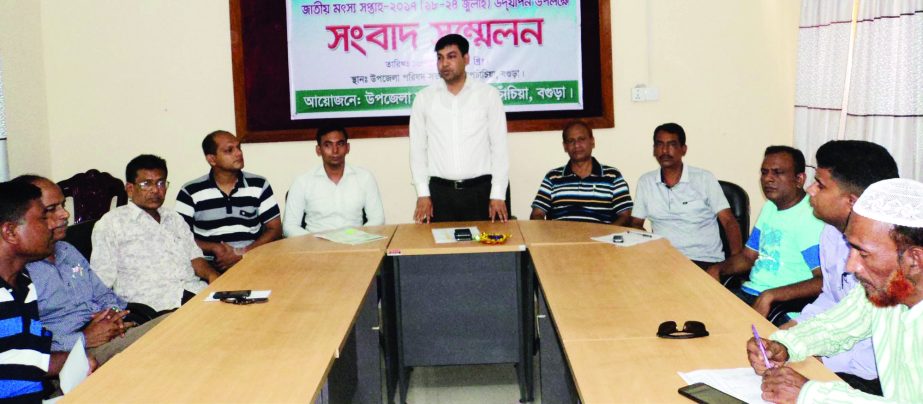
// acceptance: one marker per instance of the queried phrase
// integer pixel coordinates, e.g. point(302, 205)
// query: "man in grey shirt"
point(682, 202)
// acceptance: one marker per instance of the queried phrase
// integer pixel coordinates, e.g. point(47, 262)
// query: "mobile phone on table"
point(705, 394)
point(232, 294)
point(463, 235)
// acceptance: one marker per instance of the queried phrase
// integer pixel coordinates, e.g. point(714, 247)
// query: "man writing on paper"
point(458, 152)
point(334, 195)
point(230, 211)
point(682, 202)
point(782, 254)
point(845, 168)
point(885, 235)
point(72, 301)
point(582, 190)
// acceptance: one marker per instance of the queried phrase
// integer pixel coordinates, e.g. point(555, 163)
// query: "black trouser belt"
point(461, 184)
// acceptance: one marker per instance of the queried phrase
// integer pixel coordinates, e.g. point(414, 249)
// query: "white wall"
point(124, 78)
point(24, 87)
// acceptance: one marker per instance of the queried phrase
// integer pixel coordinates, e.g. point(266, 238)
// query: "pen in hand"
point(759, 342)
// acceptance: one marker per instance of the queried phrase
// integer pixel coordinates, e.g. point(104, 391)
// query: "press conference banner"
point(369, 59)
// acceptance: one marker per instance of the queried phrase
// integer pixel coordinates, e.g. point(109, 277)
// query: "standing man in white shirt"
point(458, 151)
point(333, 195)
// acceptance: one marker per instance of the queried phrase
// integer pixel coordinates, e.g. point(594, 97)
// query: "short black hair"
point(573, 124)
point(144, 162)
point(673, 128)
point(856, 164)
point(15, 197)
point(906, 237)
point(323, 130)
point(209, 146)
point(796, 155)
point(453, 39)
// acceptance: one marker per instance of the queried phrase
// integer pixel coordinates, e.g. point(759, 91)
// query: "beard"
point(897, 289)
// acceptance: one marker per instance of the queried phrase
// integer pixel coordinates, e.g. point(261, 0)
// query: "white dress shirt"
point(328, 206)
point(459, 137)
point(144, 261)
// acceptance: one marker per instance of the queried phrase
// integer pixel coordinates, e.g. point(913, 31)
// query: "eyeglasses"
point(149, 184)
point(691, 329)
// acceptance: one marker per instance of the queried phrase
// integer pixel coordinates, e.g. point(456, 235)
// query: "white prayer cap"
point(896, 201)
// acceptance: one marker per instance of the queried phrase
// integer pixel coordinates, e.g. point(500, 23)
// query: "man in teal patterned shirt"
point(782, 254)
point(885, 234)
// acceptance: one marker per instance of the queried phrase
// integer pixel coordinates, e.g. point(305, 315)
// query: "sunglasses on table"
point(691, 329)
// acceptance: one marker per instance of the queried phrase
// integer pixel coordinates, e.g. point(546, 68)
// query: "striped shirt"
point(599, 197)
point(897, 337)
point(24, 344)
point(236, 219)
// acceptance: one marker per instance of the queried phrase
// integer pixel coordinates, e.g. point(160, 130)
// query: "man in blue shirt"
point(25, 357)
point(72, 301)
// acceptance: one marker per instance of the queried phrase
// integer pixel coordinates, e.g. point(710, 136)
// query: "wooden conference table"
point(606, 303)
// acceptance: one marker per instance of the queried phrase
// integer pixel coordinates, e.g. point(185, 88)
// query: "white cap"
point(896, 201)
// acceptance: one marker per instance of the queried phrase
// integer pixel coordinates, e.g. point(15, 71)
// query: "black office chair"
point(740, 207)
point(777, 310)
point(79, 235)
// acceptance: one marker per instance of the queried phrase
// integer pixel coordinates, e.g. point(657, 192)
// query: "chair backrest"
point(740, 206)
point(93, 192)
point(79, 235)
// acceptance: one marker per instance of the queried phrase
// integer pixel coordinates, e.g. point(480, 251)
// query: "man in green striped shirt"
point(885, 234)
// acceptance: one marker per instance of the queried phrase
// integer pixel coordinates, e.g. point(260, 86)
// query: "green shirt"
point(788, 243)
point(897, 336)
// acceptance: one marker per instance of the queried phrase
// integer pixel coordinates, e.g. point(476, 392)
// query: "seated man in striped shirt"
point(229, 210)
point(25, 235)
point(885, 236)
point(582, 190)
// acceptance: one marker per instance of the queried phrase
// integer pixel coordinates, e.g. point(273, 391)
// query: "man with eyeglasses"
point(230, 211)
point(145, 252)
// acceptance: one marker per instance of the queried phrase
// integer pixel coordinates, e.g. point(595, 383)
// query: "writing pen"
point(641, 234)
point(759, 342)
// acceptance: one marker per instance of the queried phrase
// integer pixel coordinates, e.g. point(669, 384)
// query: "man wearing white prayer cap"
point(885, 234)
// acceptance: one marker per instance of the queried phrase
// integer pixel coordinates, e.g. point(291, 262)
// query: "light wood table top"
point(311, 244)
point(537, 232)
point(608, 301)
point(417, 239)
point(635, 370)
point(600, 291)
point(278, 351)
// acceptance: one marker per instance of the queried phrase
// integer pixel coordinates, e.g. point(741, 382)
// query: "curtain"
point(885, 103)
point(823, 51)
point(880, 84)
point(4, 164)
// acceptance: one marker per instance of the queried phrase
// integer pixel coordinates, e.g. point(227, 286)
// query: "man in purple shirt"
point(844, 169)
point(72, 301)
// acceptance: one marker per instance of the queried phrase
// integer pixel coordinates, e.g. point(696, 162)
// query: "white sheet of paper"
point(629, 238)
point(254, 294)
point(349, 236)
point(738, 382)
point(75, 368)
point(442, 236)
